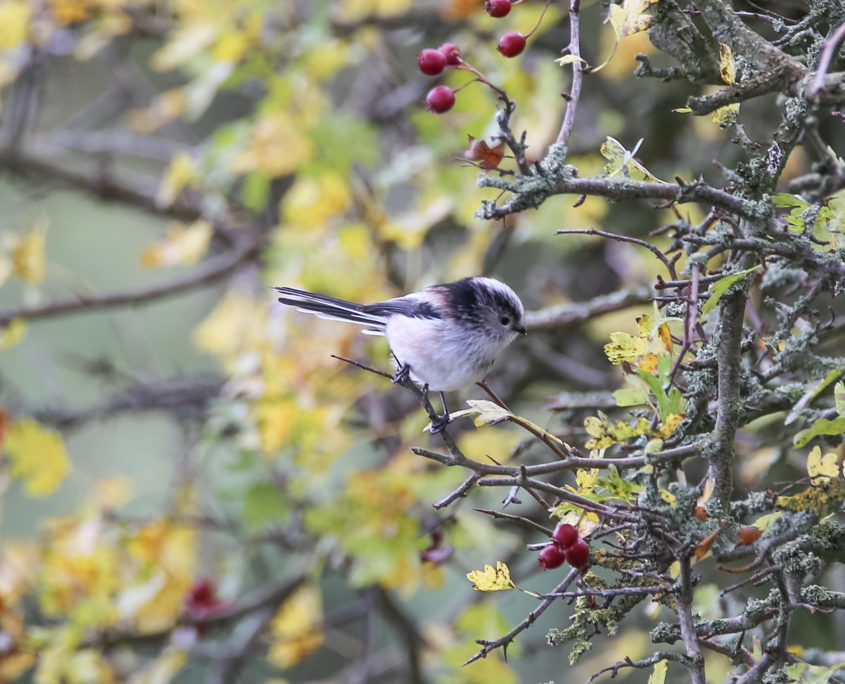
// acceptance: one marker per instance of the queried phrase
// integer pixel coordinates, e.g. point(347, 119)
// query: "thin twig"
point(825, 59)
point(243, 250)
point(670, 266)
point(577, 72)
point(502, 642)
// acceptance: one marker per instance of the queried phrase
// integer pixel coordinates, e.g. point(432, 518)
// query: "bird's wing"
point(412, 305)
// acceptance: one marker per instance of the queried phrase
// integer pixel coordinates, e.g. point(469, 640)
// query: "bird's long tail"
point(331, 308)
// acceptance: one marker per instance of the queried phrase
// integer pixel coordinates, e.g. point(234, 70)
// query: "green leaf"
point(784, 199)
point(630, 396)
point(822, 426)
point(636, 394)
point(264, 503)
point(720, 286)
point(665, 404)
point(256, 190)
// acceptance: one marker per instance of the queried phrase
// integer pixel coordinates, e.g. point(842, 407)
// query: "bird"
point(442, 337)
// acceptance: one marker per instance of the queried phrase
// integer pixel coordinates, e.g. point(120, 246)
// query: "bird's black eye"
point(505, 320)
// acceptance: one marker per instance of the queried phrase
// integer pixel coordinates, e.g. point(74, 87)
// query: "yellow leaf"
point(37, 456)
point(726, 115)
point(488, 412)
point(296, 628)
point(278, 145)
point(184, 246)
point(329, 57)
point(162, 669)
point(69, 12)
point(490, 579)
point(648, 363)
point(231, 46)
point(12, 333)
point(658, 674)
point(569, 59)
point(765, 521)
point(621, 162)
point(644, 325)
point(822, 468)
point(665, 335)
point(727, 64)
point(709, 488)
point(28, 262)
point(164, 108)
point(230, 326)
point(313, 200)
point(594, 426)
point(178, 174)
point(669, 426)
point(624, 347)
point(14, 23)
point(586, 480)
point(630, 17)
point(186, 41)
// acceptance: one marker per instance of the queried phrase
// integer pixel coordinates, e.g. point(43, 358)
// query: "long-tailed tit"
point(443, 337)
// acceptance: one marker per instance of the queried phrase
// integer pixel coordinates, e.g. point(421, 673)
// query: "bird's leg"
point(402, 375)
point(439, 423)
point(403, 372)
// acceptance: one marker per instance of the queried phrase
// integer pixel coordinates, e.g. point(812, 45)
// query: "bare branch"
point(244, 249)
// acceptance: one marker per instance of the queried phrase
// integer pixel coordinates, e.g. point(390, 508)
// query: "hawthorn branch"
point(96, 179)
point(720, 452)
point(573, 313)
point(683, 605)
point(670, 266)
point(529, 192)
point(761, 84)
point(502, 642)
point(574, 49)
point(824, 61)
point(179, 394)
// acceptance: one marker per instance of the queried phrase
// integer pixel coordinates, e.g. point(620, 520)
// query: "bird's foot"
point(402, 374)
point(439, 423)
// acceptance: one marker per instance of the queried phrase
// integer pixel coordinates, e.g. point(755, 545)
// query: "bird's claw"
point(402, 374)
point(439, 423)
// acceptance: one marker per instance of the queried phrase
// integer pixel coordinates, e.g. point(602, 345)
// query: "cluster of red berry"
point(432, 62)
point(566, 545)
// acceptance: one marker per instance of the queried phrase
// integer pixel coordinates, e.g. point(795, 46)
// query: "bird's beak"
point(520, 329)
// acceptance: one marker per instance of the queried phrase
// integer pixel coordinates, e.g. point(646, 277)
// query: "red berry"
point(451, 52)
point(565, 535)
point(201, 599)
point(511, 44)
point(578, 555)
point(551, 556)
point(497, 8)
point(431, 62)
point(440, 99)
